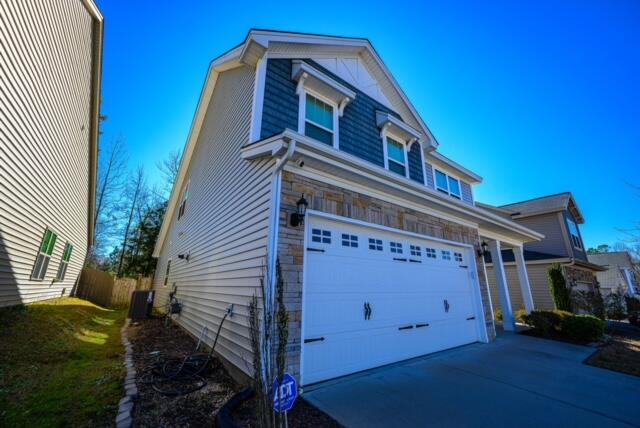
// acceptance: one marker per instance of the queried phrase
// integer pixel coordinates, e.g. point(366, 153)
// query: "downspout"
point(272, 247)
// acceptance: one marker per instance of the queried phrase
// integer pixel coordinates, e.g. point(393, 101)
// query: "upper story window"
point(447, 184)
point(44, 255)
point(574, 234)
point(183, 203)
point(64, 263)
point(322, 102)
point(396, 157)
point(319, 120)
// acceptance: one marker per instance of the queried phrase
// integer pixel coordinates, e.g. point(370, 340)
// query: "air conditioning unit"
point(141, 304)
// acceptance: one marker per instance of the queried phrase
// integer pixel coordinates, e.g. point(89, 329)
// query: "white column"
point(508, 320)
point(523, 277)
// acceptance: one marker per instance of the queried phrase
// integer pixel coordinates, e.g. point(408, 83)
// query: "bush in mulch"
point(199, 408)
point(565, 326)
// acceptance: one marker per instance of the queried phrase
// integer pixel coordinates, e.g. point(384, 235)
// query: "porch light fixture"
point(297, 218)
point(482, 249)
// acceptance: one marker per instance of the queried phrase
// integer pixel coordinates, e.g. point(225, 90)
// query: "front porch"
point(497, 275)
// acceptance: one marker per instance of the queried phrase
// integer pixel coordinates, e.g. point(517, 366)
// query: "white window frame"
point(64, 264)
point(46, 258)
point(384, 133)
point(302, 115)
point(183, 200)
point(449, 177)
point(578, 238)
point(166, 273)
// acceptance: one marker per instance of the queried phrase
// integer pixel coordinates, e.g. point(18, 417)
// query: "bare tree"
point(136, 190)
point(169, 168)
point(112, 172)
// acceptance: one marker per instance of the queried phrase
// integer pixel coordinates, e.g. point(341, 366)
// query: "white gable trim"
point(227, 61)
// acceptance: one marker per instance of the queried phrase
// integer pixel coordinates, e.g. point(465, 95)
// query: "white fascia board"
point(227, 61)
point(466, 174)
point(397, 126)
point(308, 147)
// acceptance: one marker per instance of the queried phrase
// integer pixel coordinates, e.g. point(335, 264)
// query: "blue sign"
point(284, 393)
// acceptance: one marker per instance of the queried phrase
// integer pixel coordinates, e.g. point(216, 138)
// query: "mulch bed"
point(303, 414)
point(553, 335)
point(199, 408)
point(621, 353)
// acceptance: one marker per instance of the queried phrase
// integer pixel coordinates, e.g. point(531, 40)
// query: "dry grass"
point(621, 354)
point(60, 364)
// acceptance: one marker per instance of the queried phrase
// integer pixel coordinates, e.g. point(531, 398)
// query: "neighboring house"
point(383, 264)
point(558, 218)
point(621, 274)
point(50, 67)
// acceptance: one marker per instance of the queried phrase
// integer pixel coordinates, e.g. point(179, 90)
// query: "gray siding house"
point(50, 66)
point(621, 274)
point(557, 217)
point(382, 266)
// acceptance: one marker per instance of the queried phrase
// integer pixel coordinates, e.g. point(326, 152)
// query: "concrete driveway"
point(515, 381)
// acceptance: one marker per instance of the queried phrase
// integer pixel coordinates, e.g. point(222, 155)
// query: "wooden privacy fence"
point(103, 289)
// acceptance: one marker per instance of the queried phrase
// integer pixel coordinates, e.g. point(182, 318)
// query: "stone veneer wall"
point(573, 275)
point(335, 200)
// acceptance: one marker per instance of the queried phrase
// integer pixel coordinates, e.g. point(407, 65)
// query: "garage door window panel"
point(321, 236)
point(396, 247)
point(375, 244)
point(349, 240)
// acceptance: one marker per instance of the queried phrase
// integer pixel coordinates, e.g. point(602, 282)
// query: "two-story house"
point(621, 275)
point(50, 73)
point(558, 218)
point(304, 149)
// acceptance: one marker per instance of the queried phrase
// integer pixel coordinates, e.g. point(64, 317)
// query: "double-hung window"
point(447, 184)
point(575, 235)
point(64, 262)
point(44, 255)
point(319, 120)
point(166, 273)
point(396, 157)
point(183, 203)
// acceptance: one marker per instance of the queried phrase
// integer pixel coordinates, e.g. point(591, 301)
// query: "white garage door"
point(373, 297)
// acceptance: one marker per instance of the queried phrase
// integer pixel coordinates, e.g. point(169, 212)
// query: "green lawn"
point(60, 364)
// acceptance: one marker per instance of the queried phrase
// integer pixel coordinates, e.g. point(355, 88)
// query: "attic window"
point(183, 202)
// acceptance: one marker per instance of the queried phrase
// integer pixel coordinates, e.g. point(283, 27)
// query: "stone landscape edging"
point(124, 419)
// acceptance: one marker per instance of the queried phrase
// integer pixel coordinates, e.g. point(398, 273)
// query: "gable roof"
point(289, 45)
point(545, 204)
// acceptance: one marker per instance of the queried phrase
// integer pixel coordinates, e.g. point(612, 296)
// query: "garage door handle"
point(415, 261)
point(316, 339)
point(464, 267)
point(399, 259)
point(422, 325)
point(406, 327)
point(318, 250)
point(471, 318)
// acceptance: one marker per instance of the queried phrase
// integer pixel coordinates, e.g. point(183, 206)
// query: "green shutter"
point(52, 243)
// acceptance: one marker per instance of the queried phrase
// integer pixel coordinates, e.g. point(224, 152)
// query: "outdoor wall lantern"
point(482, 250)
point(297, 218)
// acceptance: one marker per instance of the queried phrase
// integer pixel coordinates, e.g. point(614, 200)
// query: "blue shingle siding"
point(467, 195)
point(280, 107)
point(429, 171)
point(415, 163)
point(359, 134)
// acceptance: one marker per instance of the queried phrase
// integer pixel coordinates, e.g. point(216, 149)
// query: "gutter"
point(272, 244)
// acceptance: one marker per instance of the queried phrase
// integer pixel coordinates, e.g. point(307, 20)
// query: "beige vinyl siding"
point(225, 224)
point(45, 123)
point(537, 280)
point(550, 225)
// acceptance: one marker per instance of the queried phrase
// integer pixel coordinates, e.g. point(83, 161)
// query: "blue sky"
point(537, 97)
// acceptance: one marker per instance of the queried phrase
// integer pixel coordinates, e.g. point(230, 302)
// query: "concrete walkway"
point(515, 381)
